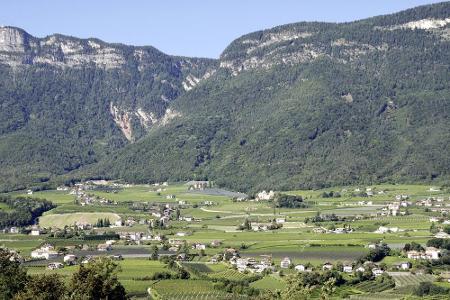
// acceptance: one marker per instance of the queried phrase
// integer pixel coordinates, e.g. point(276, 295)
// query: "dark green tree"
point(97, 280)
point(13, 277)
point(43, 287)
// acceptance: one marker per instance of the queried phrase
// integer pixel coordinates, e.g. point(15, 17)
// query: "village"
point(374, 232)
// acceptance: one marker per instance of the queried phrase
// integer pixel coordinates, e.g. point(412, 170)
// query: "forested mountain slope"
point(313, 104)
point(67, 102)
point(299, 105)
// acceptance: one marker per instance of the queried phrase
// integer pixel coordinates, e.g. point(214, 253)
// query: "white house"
point(383, 229)
point(280, 220)
point(285, 263)
point(348, 268)
point(55, 265)
point(300, 268)
point(413, 254)
point(377, 272)
point(241, 264)
point(327, 266)
point(404, 265)
point(360, 269)
point(432, 252)
point(104, 247)
point(44, 254)
point(372, 246)
point(14, 230)
point(35, 230)
point(200, 246)
point(70, 259)
point(265, 195)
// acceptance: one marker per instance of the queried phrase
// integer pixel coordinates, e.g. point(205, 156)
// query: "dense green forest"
point(23, 211)
point(300, 105)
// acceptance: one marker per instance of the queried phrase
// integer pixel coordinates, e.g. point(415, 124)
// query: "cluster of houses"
point(46, 251)
point(252, 265)
point(337, 230)
point(83, 198)
point(397, 207)
point(139, 237)
point(432, 202)
point(430, 253)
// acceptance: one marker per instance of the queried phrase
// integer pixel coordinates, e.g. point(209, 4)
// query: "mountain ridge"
point(277, 109)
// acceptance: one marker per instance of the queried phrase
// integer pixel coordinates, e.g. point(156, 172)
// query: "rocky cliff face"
point(169, 76)
point(305, 42)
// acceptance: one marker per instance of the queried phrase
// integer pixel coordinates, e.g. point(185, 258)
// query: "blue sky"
point(190, 28)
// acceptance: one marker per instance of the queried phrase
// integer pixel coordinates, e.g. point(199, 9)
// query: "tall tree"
point(43, 287)
point(13, 276)
point(97, 280)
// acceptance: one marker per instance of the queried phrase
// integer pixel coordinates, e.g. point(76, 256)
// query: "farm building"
point(348, 268)
point(404, 265)
point(377, 272)
point(70, 259)
point(285, 263)
point(327, 266)
point(14, 230)
point(55, 265)
point(35, 230)
point(265, 195)
point(430, 253)
point(300, 268)
point(104, 247)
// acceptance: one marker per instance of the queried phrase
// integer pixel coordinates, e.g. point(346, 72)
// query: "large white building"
point(44, 254)
point(265, 195)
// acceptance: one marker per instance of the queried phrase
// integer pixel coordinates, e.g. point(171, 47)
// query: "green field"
point(61, 220)
point(269, 283)
point(296, 239)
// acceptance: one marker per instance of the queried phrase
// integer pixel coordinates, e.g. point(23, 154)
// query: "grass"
point(139, 268)
point(411, 279)
point(22, 243)
point(269, 282)
point(57, 197)
point(230, 274)
point(4, 207)
point(132, 275)
point(189, 289)
point(61, 220)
